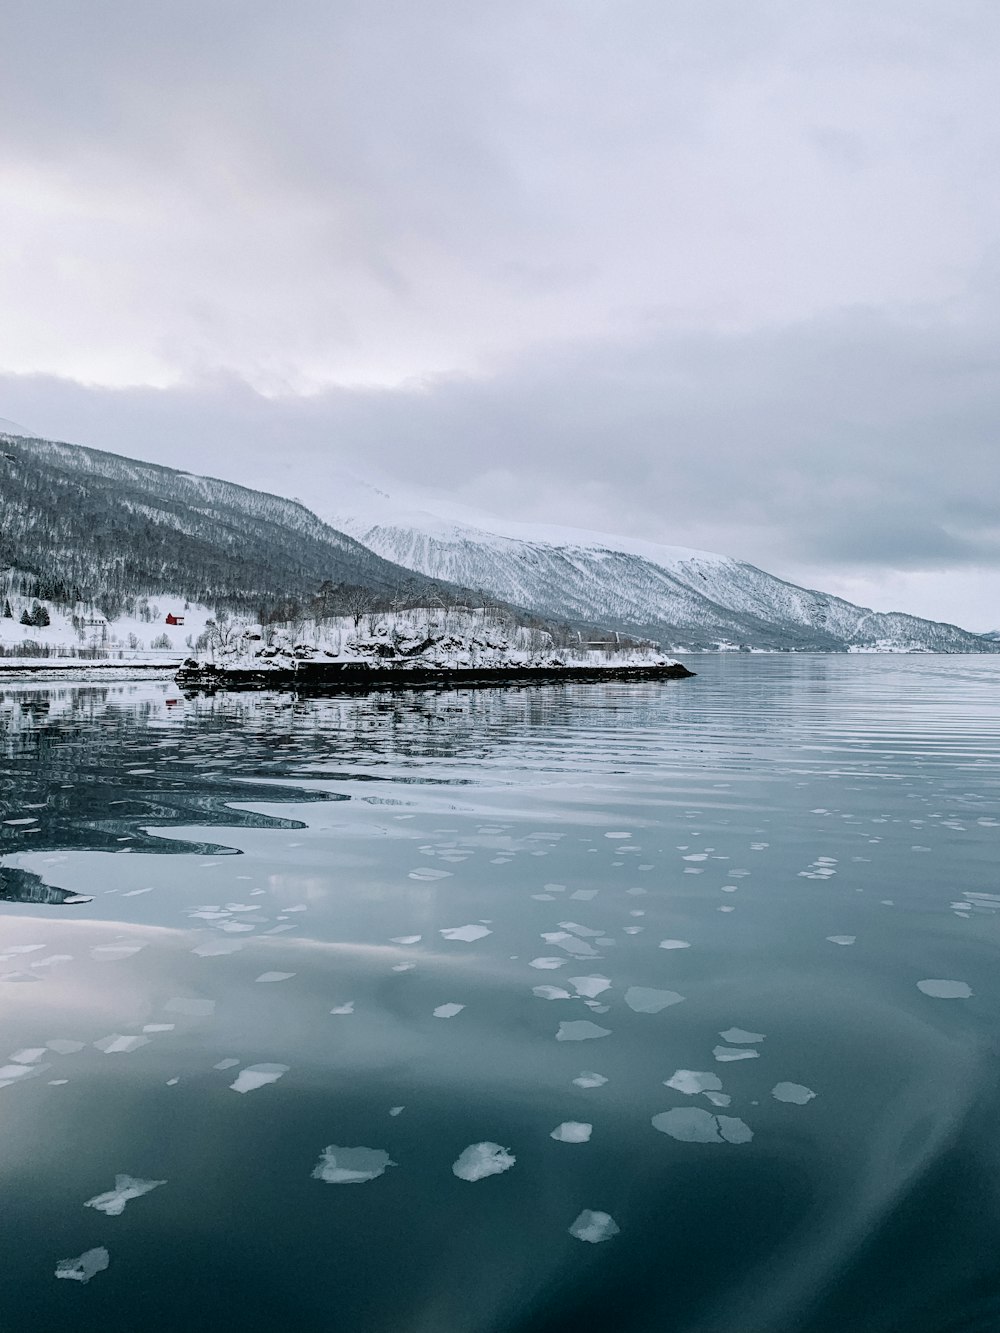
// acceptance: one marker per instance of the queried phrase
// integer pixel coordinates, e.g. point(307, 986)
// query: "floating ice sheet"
point(126, 1188)
point(726, 1053)
point(448, 1010)
point(406, 939)
point(737, 1035)
point(572, 1131)
point(590, 986)
point(257, 1076)
point(588, 1079)
point(351, 1166)
point(547, 964)
point(83, 1268)
point(593, 1227)
point(347, 1008)
point(691, 1124)
point(792, 1092)
point(480, 1160)
point(217, 948)
point(841, 939)
point(692, 1081)
point(945, 990)
point(648, 1000)
point(466, 933)
point(581, 1030)
point(674, 944)
point(116, 1043)
point(551, 993)
point(275, 976)
point(113, 953)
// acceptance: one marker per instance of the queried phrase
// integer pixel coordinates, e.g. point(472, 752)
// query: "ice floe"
point(581, 1030)
point(551, 993)
point(692, 1081)
point(593, 1227)
point(448, 1010)
point(480, 1160)
point(572, 1131)
point(841, 939)
point(83, 1268)
point(275, 976)
point(547, 964)
point(465, 933)
point(675, 944)
point(346, 1008)
point(116, 1043)
point(945, 990)
point(126, 1187)
point(792, 1092)
point(588, 1079)
point(691, 1124)
point(351, 1166)
point(257, 1076)
point(726, 1053)
point(648, 1000)
point(590, 986)
point(737, 1035)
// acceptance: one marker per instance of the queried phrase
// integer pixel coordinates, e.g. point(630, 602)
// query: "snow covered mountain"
point(681, 598)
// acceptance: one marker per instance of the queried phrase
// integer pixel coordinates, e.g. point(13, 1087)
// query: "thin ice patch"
point(83, 1268)
point(590, 986)
point(406, 939)
point(796, 1093)
point(217, 948)
point(63, 1046)
point(465, 933)
point(347, 1008)
point(648, 1000)
point(726, 1053)
point(691, 1124)
point(126, 1187)
point(588, 1079)
point(448, 1010)
point(480, 1160)
point(593, 1227)
point(350, 1166)
point(581, 1030)
point(547, 964)
point(572, 1131)
point(737, 1035)
point(692, 1081)
point(841, 939)
point(257, 1076)
point(675, 944)
point(945, 990)
point(551, 993)
point(118, 1044)
point(275, 976)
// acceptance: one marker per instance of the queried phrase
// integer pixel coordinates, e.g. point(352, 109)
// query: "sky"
point(716, 273)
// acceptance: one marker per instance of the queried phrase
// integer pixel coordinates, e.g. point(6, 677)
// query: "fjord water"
point(736, 936)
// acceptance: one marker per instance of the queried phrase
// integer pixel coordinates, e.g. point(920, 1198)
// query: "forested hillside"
point(81, 525)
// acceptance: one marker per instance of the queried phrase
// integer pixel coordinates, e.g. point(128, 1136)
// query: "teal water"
point(737, 936)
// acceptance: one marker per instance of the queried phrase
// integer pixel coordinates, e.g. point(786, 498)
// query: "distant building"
point(174, 620)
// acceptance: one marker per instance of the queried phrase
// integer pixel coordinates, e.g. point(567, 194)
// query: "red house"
point(174, 620)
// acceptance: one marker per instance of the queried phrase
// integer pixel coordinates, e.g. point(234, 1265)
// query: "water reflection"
point(697, 982)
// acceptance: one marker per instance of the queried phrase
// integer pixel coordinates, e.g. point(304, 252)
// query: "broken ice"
point(256, 1076)
point(594, 1227)
point(572, 1131)
point(945, 990)
point(83, 1268)
point(466, 933)
point(480, 1160)
point(792, 1092)
point(351, 1166)
point(581, 1030)
point(647, 1000)
point(126, 1187)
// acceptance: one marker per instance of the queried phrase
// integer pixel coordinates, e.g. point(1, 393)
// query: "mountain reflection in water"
point(633, 1007)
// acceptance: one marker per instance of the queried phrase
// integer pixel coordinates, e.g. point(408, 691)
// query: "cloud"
point(718, 275)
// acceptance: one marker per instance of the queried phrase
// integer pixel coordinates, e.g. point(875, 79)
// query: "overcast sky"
point(715, 272)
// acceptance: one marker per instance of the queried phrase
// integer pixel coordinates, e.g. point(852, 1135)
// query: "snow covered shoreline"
point(320, 676)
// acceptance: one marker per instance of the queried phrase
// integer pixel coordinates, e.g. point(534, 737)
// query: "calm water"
point(790, 1128)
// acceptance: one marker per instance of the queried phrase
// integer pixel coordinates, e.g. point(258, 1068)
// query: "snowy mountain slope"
point(83, 524)
point(679, 597)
